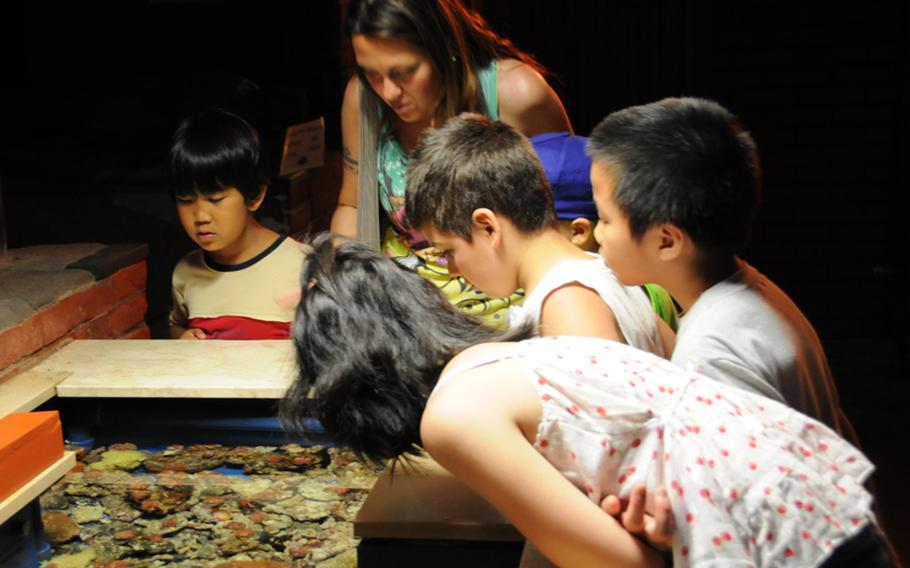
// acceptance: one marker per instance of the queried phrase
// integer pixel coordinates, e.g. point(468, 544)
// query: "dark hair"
point(685, 161)
point(212, 151)
point(473, 162)
point(457, 41)
point(371, 339)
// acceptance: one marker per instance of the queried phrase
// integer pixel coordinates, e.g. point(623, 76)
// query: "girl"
point(543, 428)
point(420, 62)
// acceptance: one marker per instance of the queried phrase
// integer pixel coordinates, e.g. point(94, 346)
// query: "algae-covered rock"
point(188, 459)
point(54, 500)
point(58, 527)
point(347, 559)
point(113, 460)
point(78, 560)
point(107, 550)
point(87, 514)
point(252, 564)
point(177, 519)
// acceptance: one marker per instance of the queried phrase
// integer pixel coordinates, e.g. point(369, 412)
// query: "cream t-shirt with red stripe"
point(238, 301)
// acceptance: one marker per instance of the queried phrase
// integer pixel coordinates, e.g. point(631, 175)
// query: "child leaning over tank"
point(568, 170)
point(477, 190)
point(545, 427)
point(677, 185)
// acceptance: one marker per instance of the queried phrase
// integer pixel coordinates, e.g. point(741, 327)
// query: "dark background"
point(91, 93)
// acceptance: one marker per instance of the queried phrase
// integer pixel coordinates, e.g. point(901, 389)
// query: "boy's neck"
point(254, 239)
point(688, 284)
point(539, 252)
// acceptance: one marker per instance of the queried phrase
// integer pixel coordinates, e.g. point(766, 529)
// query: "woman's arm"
point(527, 102)
point(344, 220)
point(477, 427)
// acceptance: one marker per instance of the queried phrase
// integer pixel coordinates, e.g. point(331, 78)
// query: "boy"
point(677, 186)
point(568, 170)
point(478, 192)
point(227, 288)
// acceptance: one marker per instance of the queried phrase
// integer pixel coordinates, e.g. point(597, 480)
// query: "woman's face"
point(402, 75)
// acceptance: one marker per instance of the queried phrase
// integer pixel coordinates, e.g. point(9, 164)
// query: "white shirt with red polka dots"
point(751, 481)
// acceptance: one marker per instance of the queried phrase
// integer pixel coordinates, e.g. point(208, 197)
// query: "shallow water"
point(206, 505)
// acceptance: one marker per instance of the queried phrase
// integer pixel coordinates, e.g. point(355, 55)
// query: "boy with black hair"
point(478, 192)
point(227, 289)
point(677, 186)
point(568, 170)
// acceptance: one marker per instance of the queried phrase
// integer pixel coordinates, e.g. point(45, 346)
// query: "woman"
point(545, 427)
point(420, 62)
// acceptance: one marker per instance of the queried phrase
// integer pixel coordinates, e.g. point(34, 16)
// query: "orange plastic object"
point(29, 443)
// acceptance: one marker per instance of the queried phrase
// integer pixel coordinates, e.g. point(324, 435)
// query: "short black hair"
point(371, 339)
point(212, 151)
point(473, 162)
point(685, 161)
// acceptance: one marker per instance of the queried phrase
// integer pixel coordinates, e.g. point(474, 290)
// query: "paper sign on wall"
point(304, 147)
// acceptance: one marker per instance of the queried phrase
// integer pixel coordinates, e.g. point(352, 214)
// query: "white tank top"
point(631, 307)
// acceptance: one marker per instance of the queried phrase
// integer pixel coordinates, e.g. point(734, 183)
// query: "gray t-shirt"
point(746, 332)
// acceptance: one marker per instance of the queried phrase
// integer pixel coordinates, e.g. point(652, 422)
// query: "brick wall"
point(110, 307)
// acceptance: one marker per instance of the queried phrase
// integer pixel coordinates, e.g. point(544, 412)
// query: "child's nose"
point(201, 214)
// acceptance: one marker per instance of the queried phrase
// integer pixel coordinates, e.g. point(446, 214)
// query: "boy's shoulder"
point(746, 305)
point(746, 293)
point(291, 248)
point(590, 272)
point(593, 263)
point(191, 260)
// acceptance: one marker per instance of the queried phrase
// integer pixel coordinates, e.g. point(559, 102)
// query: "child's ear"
point(489, 226)
point(581, 231)
point(254, 204)
point(671, 241)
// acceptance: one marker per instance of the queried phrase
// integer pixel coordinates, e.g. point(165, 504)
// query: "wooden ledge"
point(429, 503)
point(168, 368)
point(28, 390)
point(31, 490)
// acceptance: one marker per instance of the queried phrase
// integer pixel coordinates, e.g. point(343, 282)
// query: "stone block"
point(110, 259)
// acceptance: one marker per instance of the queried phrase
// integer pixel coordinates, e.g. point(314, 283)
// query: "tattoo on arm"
point(350, 163)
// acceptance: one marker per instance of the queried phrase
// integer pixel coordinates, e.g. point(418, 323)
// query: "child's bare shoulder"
point(576, 309)
point(478, 354)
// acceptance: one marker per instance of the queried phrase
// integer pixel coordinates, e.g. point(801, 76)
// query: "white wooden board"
point(172, 368)
point(25, 494)
point(28, 390)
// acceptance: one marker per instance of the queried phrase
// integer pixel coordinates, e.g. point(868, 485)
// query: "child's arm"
point(477, 428)
point(575, 309)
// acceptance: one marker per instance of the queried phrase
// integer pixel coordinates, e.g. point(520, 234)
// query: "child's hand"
point(658, 529)
point(193, 333)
